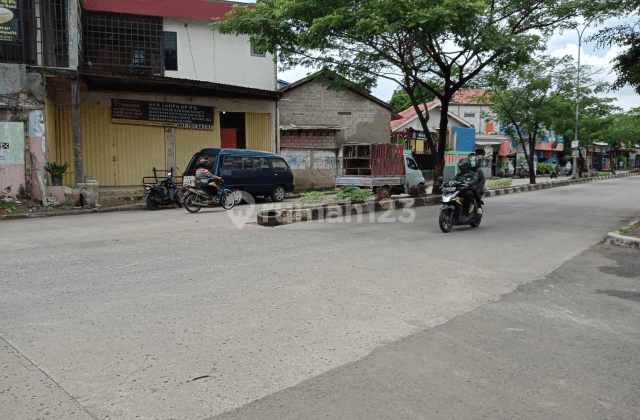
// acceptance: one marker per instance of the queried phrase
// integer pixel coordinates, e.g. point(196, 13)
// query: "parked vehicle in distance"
point(160, 193)
point(378, 167)
point(523, 171)
point(261, 174)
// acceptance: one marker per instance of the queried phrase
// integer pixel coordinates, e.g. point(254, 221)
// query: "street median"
point(289, 215)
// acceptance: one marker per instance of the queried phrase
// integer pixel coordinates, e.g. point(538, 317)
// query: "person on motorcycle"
point(208, 180)
point(479, 190)
point(471, 178)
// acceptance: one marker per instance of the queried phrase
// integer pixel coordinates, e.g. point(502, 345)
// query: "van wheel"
point(237, 195)
point(278, 194)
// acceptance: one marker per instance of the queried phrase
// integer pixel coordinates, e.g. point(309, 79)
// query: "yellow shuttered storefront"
point(121, 154)
point(189, 142)
point(258, 131)
point(114, 154)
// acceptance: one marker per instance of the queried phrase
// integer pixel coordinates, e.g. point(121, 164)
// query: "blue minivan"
point(252, 171)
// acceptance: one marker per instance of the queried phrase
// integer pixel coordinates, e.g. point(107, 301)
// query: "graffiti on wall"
point(313, 169)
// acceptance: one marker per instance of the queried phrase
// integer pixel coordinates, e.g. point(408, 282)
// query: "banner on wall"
point(164, 114)
point(11, 143)
point(9, 21)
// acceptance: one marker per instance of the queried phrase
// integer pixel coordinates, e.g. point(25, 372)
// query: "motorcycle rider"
point(207, 179)
point(479, 190)
point(471, 178)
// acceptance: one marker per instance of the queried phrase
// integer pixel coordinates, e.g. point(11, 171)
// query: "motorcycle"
point(163, 193)
point(523, 171)
point(553, 173)
point(194, 198)
point(451, 213)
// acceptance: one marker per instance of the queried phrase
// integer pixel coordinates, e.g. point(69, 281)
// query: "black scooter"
point(451, 213)
point(164, 193)
point(523, 171)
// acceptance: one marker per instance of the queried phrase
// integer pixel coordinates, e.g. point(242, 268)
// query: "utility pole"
point(575, 158)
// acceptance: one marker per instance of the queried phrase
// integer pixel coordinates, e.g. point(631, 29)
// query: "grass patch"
point(499, 183)
point(10, 206)
point(623, 231)
point(67, 204)
point(311, 197)
point(353, 194)
point(604, 173)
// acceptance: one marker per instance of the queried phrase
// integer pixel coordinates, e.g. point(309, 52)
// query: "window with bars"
point(125, 43)
point(37, 33)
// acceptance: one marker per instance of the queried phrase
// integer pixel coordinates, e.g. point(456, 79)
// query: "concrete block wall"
point(312, 104)
point(312, 139)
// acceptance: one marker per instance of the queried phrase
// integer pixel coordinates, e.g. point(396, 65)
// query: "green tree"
point(596, 116)
point(627, 64)
point(410, 42)
point(623, 131)
point(526, 99)
point(401, 100)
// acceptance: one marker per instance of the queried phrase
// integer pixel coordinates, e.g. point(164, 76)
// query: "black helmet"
point(205, 164)
point(464, 165)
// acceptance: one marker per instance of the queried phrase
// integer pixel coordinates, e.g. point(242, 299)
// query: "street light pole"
point(575, 158)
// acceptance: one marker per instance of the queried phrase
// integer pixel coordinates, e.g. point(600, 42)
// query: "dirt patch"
point(633, 230)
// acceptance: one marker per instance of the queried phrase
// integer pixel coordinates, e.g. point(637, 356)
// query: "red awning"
point(553, 147)
point(184, 9)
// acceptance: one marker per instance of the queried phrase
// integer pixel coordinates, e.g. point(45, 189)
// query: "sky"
point(558, 46)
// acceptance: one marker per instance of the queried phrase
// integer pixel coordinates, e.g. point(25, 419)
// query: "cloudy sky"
point(559, 45)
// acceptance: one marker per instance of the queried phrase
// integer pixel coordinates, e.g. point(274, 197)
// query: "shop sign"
point(9, 24)
point(164, 114)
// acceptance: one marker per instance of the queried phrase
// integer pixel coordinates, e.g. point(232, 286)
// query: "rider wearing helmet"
point(479, 190)
point(465, 175)
point(207, 179)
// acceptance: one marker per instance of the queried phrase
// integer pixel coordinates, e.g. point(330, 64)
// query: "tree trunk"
point(530, 161)
point(442, 143)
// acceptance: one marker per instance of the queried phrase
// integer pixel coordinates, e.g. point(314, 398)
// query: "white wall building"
point(208, 56)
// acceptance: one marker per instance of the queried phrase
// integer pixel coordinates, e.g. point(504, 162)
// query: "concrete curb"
point(615, 238)
point(298, 215)
point(73, 212)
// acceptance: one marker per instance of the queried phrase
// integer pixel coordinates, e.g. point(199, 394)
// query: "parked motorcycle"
point(523, 171)
point(194, 198)
point(163, 193)
point(451, 213)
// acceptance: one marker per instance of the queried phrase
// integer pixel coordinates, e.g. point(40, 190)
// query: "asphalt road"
point(167, 315)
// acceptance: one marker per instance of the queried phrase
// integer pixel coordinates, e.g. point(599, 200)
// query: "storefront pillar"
point(77, 130)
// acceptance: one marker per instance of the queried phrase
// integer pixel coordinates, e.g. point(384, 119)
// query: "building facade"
point(315, 122)
point(126, 86)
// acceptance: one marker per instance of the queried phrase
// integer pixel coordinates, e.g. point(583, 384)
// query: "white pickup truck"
point(393, 184)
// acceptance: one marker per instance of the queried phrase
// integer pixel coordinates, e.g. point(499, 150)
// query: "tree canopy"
point(411, 42)
point(526, 99)
point(627, 64)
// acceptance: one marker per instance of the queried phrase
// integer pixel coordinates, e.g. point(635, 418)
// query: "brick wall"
point(312, 104)
point(312, 139)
